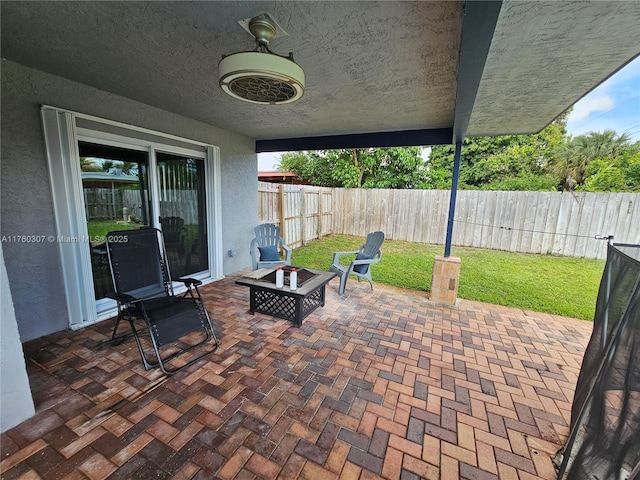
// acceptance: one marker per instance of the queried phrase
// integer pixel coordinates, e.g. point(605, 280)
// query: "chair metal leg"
point(119, 339)
point(115, 340)
point(148, 364)
point(209, 333)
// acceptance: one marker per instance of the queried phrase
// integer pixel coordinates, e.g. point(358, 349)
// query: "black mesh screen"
point(604, 442)
point(137, 263)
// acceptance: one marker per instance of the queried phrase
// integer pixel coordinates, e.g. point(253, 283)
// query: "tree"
point(397, 167)
point(620, 173)
point(88, 165)
point(107, 165)
point(548, 160)
point(603, 176)
point(575, 155)
point(394, 167)
point(129, 168)
point(515, 162)
point(630, 164)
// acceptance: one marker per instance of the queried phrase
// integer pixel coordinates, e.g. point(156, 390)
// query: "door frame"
point(61, 138)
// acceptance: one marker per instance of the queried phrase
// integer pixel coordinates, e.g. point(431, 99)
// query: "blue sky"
point(614, 105)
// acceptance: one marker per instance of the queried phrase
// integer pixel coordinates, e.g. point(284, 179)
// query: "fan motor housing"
point(263, 78)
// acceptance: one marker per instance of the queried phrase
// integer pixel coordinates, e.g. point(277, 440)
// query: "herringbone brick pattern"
point(379, 384)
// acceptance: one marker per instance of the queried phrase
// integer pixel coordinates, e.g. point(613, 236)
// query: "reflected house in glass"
point(103, 194)
point(118, 197)
point(104, 201)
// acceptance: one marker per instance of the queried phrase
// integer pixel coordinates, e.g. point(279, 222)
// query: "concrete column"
point(15, 393)
point(445, 280)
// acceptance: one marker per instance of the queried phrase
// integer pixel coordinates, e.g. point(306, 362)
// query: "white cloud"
point(587, 106)
point(614, 105)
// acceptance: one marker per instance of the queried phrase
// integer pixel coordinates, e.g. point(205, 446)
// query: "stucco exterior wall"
point(34, 270)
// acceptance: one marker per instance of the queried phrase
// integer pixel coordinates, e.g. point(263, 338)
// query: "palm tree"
point(607, 144)
point(107, 165)
point(88, 165)
point(576, 153)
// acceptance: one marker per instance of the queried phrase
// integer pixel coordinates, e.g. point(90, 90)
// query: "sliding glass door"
point(117, 191)
point(182, 214)
point(115, 188)
point(109, 176)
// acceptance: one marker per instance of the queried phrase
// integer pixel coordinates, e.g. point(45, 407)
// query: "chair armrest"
point(253, 251)
point(188, 282)
point(287, 251)
point(366, 261)
point(122, 297)
point(337, 255)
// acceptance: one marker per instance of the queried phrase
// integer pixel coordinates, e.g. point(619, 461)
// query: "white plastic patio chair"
point(265, 248)
point(367, 255)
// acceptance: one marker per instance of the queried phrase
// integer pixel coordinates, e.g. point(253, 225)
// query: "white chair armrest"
point(287, 251)
point(366, 261)
point(337, 255)
point(255, 256)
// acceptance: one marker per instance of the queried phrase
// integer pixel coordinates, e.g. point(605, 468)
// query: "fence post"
point(303, 217)
point(113, 202)
point(281, 209)
point(320, 213)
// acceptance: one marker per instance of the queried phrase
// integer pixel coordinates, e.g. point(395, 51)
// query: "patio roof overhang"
point(378, 73)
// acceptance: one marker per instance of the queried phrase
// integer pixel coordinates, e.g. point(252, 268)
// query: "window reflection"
point(182, 215)
point(116, 197)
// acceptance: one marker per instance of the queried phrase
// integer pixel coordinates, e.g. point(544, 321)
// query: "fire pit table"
point(294, 305)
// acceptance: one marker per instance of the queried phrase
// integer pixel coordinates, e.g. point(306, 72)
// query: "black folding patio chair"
point(177, 325)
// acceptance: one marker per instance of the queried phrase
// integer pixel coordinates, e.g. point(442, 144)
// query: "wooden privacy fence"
point(304, 213)
point(107, 204)
point(103, 203)
point(173, 203)
point(530, 222)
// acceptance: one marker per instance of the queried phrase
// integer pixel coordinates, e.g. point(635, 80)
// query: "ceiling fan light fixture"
point(261, 76)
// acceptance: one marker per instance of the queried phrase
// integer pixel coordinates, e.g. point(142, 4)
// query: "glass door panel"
point(182, 215)
point(115, 186)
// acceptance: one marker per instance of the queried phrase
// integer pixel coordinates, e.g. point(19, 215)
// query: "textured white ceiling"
point(370, 66)
point(546, 55)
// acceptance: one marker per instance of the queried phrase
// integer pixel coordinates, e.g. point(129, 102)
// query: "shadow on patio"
point(375, 384)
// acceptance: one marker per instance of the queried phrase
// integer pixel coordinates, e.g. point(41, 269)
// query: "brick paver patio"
point(379, 384)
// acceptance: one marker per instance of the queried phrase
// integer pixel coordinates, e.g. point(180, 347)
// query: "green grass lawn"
point(100, 228)
point(544, 283)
